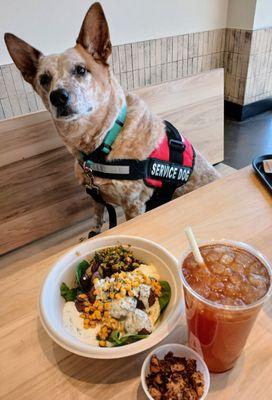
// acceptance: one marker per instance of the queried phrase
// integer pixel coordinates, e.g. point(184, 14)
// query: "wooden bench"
point(38, 192)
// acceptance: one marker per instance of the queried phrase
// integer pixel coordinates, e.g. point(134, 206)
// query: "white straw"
point(192, 240)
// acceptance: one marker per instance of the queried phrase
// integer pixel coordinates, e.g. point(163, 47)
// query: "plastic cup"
point(216, 331)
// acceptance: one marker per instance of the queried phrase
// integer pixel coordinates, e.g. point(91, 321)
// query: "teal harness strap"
point(109, 139)
point(112, 134)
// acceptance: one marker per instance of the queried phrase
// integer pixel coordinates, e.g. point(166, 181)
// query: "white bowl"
point(51, 303)
point(180, 351)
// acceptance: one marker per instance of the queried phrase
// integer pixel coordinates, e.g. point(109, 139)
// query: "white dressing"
point(74, 324)
point(121, 308)
point(136, 321)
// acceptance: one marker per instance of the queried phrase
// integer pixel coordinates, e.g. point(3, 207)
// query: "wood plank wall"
point(135, 65)
point(38, 192)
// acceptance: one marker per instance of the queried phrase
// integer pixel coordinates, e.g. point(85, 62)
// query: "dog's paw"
point(92, 234)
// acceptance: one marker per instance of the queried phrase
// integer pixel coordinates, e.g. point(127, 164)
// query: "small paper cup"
point(178, 350)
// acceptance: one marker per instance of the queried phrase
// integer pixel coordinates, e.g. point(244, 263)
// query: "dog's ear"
point(94, 34)
point(25, 57)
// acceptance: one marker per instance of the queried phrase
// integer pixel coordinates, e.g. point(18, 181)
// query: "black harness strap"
point(95, 194)
point(165, 193)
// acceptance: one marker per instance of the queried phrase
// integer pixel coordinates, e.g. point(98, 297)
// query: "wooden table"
point(33, 367)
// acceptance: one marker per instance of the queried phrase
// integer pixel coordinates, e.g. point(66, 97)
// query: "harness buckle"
point(89, 172)
point(177, 144)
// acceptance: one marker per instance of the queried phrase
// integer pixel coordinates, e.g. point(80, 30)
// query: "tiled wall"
point(248, 65)
point(236, 58)
point(245, 55)
point(135, 65)
point(259, 76)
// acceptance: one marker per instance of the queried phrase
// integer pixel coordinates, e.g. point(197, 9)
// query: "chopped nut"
point(174, 378)
point(155, 393)
point(154, 364)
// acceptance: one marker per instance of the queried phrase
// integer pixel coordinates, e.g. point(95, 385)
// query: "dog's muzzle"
point(60, 99)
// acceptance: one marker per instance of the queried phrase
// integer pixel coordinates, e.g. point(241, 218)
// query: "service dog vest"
point(168, 167)
point(172, 162)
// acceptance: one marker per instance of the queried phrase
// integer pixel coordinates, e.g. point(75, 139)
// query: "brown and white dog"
point(84, 98)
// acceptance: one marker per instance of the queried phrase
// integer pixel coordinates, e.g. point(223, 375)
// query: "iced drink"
point(223, 300)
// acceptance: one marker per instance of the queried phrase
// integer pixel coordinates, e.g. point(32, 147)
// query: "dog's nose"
point(59, 98)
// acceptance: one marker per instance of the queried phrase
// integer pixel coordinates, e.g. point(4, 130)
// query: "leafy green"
point(81, 269)
point(116, 340)
point(67, 293)
point(165, 296)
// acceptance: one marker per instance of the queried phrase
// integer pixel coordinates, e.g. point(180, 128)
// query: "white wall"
point(52, 25)
point(263, 15)
point(241, 14)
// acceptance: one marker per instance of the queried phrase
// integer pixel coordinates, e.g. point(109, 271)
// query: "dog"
point(84, 98)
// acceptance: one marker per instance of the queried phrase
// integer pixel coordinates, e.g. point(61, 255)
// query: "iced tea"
point(223, 300)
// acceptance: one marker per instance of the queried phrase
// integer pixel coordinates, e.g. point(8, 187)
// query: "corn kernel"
point(107, 305)
point(130, 293)
point(114, 324)
point(82, 296)
point(102, 343)
point(118, 296)
point(106, 314)
point(112, 295)
point(97, 315)
point(96, 280)
point(86, 323)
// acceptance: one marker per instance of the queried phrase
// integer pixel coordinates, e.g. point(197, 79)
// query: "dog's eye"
point(45, 79)
point(80, 70)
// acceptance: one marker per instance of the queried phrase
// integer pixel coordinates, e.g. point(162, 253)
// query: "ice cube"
point(243, 259)
point(212, 257)
point(218, 286)
point(258, 281)
point(238, 302)
point(230, 289)
point(235, 278)
point(227, 258)
point(218, 268)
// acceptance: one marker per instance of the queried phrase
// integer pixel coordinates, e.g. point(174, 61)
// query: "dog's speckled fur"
point(95, 102)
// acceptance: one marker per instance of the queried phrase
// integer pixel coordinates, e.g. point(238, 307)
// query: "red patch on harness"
point(162, 153)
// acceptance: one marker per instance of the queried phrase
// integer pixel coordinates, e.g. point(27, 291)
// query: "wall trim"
point(241, 113)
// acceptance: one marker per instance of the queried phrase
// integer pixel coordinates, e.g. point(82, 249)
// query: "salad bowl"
point(51, 303)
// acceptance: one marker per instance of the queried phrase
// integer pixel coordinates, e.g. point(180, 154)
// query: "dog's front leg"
point(97, 219)
point(134, 209)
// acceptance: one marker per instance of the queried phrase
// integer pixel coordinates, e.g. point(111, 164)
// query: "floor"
point(248, 139)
